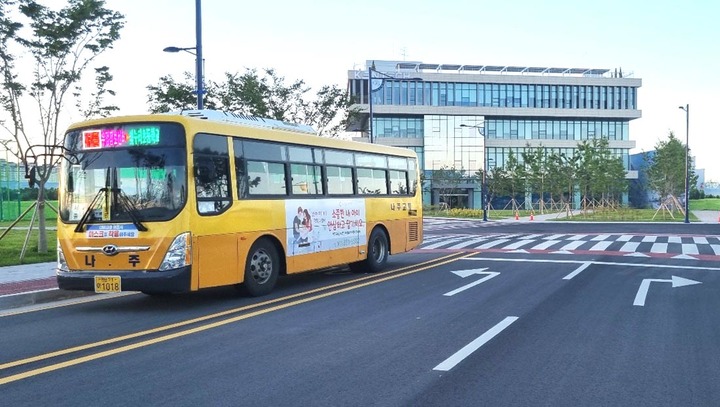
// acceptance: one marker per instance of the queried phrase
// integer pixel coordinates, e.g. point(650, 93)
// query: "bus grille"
point(413, 231)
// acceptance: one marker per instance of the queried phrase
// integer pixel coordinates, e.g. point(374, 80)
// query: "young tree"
point(446, 180)
point(666, 169)
point(61, 45)
point(262, 95)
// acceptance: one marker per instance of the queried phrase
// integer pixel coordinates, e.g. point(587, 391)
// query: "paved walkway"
point(35, 283)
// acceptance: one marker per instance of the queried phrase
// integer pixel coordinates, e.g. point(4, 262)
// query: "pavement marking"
point(573, 245)
point(545, 245)
point(630, 247)
point(578, 270)
point(601, 246)
point(689, 248)
point(468, 349)
point(311, 295)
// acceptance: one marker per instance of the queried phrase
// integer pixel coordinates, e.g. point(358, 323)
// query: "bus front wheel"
point(262, 268)
point(378, 250)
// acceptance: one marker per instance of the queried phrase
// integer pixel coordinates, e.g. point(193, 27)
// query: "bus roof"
point(267, 129)
point(235, 118)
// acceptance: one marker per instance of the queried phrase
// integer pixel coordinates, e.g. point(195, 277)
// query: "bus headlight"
point(179, 254)
point(61, 263)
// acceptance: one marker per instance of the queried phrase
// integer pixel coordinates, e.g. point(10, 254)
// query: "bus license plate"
point(107, 284)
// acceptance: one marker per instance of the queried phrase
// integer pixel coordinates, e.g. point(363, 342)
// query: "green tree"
point(263, 94)
point(62, 45)
point(666, 169)
point(446, 180)
point(600, 174)
point(536, 172)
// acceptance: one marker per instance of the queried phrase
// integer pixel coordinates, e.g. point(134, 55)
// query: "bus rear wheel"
point(378, 250)
point(262, 268)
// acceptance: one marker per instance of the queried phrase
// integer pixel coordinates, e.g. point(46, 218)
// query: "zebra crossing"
point(434, 224)
point(624, 244)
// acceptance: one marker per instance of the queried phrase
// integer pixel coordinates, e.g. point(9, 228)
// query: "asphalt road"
point(443, 326)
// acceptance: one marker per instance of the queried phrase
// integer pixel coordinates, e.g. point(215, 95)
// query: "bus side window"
point(211, 168)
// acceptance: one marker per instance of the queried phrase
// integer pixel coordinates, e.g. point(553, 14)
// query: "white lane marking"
point(674, 239)
point(659, 248)
point(700, 240)
point(649, 239)
point(645, 286)
point(468, 349)
point(578, 270)
point(625, 238)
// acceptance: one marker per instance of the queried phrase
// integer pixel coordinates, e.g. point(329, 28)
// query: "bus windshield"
point(123, 183)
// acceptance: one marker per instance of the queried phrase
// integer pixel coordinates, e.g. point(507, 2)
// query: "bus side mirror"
point(31, 177)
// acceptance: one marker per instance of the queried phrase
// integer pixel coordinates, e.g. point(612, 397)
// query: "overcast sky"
point(672, 45)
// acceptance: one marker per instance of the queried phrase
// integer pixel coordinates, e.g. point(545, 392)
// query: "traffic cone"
point(517, 217)
point(532, 216)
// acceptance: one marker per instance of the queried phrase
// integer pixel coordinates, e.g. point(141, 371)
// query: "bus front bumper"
point(170, 281)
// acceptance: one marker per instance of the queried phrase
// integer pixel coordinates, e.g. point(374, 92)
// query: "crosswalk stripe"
point(577, 237)
point(625, 238)
point(519, 244)
point(689, 248)
point(700, 240)
point(545, 245)
point(493, 243)
point(659, 248)
point(630, 247)
point(599, 238)
point(674, 239)
point(649, 239)
point(600, 246)
point(573, 245)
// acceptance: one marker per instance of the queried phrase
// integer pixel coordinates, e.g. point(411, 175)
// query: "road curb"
point(39, 297)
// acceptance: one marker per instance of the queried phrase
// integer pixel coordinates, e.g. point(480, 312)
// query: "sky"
point(671, 45)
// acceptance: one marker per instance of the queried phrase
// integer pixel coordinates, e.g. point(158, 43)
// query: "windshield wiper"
point(128, 207)
point(89, 210)
point(118, 197)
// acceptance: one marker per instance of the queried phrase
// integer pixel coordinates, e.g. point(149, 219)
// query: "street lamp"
point(686, 108)
point(198, 55)
point(483, 202)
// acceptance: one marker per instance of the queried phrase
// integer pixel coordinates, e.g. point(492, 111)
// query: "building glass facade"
point(471, 117)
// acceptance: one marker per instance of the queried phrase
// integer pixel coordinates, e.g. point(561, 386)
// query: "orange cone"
point(517, 217)
point(532, 216)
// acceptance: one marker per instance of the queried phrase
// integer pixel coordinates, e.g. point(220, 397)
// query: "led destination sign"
point(121, 137)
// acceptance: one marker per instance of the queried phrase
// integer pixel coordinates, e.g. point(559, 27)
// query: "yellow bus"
point(172, 203)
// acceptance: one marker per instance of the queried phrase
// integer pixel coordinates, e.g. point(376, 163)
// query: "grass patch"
point(10, 215)
point(12, 246)
point(707, 204)
point(629, 215)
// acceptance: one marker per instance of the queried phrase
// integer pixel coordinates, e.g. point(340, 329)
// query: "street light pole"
point(198, 55)
point(686, 108)
point(370, 104)
point(483, 201)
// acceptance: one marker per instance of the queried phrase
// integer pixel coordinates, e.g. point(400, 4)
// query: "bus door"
point(216, 243)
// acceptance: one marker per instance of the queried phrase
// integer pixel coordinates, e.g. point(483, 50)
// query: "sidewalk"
point(29, 284)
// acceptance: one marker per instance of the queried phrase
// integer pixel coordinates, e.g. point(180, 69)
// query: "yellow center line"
point(414, 268)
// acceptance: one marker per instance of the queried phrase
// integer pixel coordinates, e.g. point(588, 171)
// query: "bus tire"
point(262, 268)
point(378, 250)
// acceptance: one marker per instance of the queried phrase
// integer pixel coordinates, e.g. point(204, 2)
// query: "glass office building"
point(471, 117)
